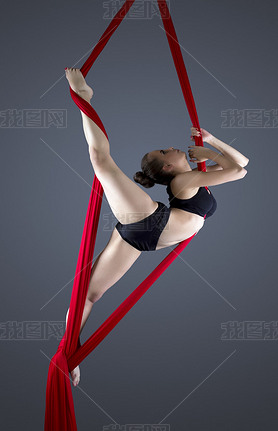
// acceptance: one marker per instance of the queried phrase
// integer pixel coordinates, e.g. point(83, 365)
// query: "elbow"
point(242, 173)
point(246, 162)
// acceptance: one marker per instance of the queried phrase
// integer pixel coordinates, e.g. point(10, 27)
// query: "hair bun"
point(143, 179)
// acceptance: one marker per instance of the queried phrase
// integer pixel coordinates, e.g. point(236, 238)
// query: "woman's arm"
point(198, 153)
point(225, 149)
point(211, 168)
point(228, 151)
point(222, 160)
point(231, 171)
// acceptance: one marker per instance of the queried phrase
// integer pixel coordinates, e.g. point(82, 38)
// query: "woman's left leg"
point(110, 266)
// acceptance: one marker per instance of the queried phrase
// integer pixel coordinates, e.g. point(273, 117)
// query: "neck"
point(182, 171)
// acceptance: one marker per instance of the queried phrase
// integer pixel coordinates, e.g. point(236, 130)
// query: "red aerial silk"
point(59, 410)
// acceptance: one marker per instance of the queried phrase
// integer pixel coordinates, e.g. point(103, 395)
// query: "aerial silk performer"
point(142, 223)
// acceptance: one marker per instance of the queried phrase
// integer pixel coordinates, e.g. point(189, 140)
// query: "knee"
point(93, 297)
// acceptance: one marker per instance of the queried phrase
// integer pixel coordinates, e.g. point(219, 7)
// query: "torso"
point(181, 224)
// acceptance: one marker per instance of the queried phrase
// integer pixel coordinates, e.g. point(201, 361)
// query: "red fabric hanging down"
point(59, 408)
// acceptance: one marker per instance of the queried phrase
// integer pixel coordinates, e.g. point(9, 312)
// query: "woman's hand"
point(205, 134)
point(201, 154)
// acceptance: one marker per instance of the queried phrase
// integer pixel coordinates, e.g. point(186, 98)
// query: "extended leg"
point(128, 202)
point(109, 267)
point(96, 139)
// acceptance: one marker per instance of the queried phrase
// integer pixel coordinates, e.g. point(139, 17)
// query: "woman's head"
point(161, 166)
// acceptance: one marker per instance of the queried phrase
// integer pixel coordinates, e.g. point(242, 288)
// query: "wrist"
point(212, 155)
point(210, 139)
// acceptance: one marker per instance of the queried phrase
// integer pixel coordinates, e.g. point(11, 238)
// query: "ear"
point(167, 168)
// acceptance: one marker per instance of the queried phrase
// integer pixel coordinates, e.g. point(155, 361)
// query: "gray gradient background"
point(166, 356)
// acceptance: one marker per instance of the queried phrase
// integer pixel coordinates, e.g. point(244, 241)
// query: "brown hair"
point(152, 173)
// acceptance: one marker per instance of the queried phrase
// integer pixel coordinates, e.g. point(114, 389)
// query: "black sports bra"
point(201, 203)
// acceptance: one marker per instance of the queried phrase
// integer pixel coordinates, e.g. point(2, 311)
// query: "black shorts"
point(144, 234)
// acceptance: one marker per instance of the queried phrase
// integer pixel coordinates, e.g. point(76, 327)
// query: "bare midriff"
point(180, 226)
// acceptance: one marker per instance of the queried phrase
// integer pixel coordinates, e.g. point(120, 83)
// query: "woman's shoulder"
point(184, 192)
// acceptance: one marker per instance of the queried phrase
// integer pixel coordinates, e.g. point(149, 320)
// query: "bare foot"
point(75, 374)
point(78, 84)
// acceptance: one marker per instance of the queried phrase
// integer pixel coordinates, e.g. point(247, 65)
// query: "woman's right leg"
point(128, 202)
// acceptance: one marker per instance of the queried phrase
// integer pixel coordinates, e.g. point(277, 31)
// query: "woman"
point(144, 224)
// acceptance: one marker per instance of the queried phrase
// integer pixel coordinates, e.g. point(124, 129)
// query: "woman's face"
point(173, 159)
